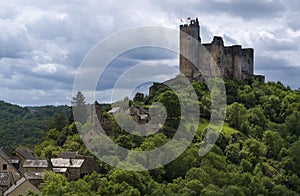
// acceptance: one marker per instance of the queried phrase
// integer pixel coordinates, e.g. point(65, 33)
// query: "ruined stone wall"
point(233, 61)
point(247, 63)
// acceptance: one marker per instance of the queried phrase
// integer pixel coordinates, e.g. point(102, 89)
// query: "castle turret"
point(189, 40)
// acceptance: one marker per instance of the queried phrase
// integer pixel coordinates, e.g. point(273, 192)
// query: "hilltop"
point(256, 153)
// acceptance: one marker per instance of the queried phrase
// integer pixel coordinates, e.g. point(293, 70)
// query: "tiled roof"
point(61, 162)
point(3, 155)
point(34, 175)
point(26, 153)
point(35, 163)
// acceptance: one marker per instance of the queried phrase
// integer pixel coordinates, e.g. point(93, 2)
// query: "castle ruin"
point(234, 62)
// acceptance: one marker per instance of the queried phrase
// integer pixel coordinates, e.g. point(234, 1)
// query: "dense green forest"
point(26, 126)
point(257, 153)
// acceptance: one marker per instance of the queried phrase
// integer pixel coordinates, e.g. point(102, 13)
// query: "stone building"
point(6, 181)
point(20, 188)
point(7, 167)
point(73, 165)
point(234, 62)
point(20, 155)
point(34, 170)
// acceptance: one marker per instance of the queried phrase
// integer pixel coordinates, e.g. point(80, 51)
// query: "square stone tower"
point(189, 39)
point(234, 62)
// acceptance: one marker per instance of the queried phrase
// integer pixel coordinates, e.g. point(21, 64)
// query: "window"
point(4, 166)
point(219, 61)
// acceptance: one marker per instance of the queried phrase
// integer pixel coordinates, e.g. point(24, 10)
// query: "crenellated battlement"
point(233, 61)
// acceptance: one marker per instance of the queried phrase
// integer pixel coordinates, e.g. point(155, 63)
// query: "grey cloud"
point(268, 63)
point(278, 70)
point(229, 40)
point(278, 44)
point(287, 75)
point(15, 41)
point(150, 53)
point(60, 33)
point(246, 9)
point(293, 20)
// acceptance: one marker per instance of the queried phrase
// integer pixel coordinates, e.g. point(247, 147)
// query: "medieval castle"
point(234, 62)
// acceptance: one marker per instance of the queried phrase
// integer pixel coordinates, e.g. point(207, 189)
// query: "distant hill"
point(26, 126)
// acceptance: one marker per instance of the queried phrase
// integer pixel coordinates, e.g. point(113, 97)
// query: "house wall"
point(74, 173)
point(89, 165)
point(3, 189)
point(10, 168)
point(34, 169)
point(21, 190)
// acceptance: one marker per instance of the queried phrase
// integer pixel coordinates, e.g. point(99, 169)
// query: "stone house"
point(71, 168)
point(33, 170)
point(73, 165)
point(20, 188)
point(6, 180)
point(139, 114)
point(20, 155)
point(7, 167)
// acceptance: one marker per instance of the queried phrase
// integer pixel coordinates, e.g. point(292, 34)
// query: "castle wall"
point(237, 62)
point(233, 61)
point(217, 52)
point(247, 63)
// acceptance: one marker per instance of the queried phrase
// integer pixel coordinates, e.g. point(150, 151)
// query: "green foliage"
point(237, 117)
point(26, 126)
point(257, 152)
point(79, 107)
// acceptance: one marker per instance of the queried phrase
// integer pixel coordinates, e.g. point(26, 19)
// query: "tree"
point(59, 121)
point(170, 101)
point(257, 122)
point(274, 143)
point(293, 123)
point(54, 184)
point(236, 116)
point(295, 151)
point(253, 150)
point(79, 108)
point(139, 97)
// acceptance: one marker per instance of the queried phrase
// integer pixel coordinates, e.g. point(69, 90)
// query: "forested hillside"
point(258, 152)
point(26, 126)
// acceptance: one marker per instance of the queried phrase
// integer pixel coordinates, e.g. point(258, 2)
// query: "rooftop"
point(34, 175)
point(35, 163)
point(4, 155)
point(61, 162)
point(26, 153)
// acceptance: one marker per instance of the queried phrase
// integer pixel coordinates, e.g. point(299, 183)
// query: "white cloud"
point(46, 68)
point(43, 42)
point(14, 38)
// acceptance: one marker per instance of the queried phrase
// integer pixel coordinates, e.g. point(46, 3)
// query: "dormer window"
point(4, 166)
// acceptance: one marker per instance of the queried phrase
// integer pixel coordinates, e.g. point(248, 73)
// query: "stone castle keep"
point(234, 62)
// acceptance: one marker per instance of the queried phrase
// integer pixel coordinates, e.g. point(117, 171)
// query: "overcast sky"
point(42, 43)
